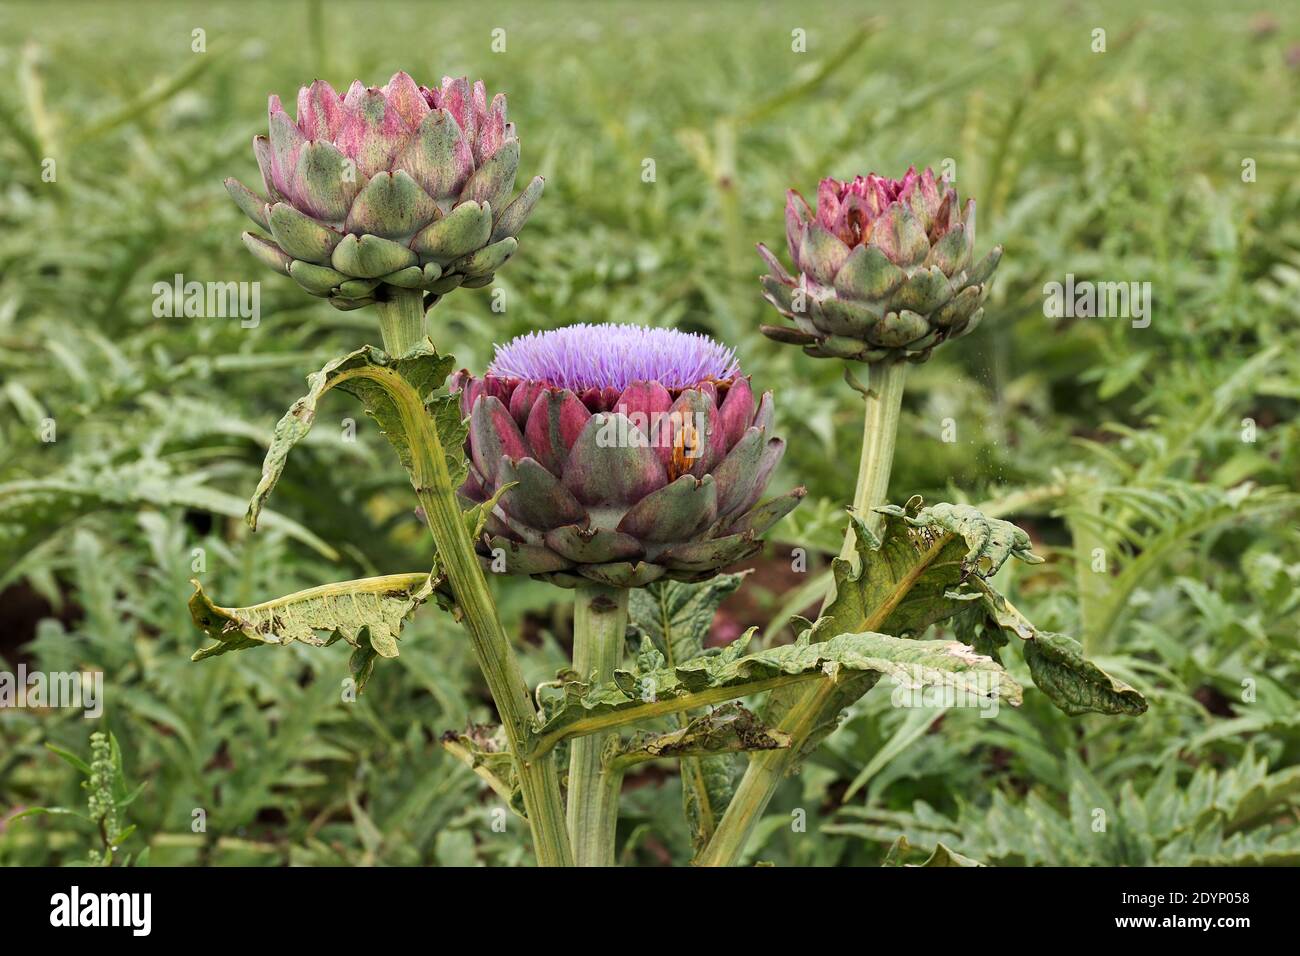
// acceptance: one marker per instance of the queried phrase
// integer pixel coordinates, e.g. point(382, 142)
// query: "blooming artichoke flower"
point(401, 186)
point(635, 454)
point(884, 269)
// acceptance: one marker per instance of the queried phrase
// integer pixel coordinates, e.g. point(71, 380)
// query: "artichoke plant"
point(627, 454)
point(398, 186)
point(883, 269)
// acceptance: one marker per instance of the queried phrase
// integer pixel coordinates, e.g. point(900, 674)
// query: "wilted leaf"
point(942, 855)
point(368, 613)
point(393, 391)
point(729, 728)
point(1072, 682)
point(484, 749)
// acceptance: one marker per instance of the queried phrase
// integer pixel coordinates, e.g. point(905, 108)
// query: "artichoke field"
point(545, 490)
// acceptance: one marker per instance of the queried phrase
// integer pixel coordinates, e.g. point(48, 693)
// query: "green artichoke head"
point(884, 269)
point(399, 186)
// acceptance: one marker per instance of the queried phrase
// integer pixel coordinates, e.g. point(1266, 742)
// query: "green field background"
point(1172, 158)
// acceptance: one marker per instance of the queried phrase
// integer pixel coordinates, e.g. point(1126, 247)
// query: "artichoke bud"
point(398, 187)
point(883, 269)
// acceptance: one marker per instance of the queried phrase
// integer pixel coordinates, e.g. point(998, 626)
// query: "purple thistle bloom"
point(584, 356)
point(621, 454)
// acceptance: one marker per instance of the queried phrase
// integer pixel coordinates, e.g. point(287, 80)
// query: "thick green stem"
point(401, 320)
point(767, 769)
point(879, 436)
point(599, 625)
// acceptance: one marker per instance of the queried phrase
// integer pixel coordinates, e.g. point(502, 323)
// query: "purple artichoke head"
point(399, 185)
point(884, 269)
point(633, 454)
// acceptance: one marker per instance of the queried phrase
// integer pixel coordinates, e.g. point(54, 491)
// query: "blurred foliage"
point(1171, 451)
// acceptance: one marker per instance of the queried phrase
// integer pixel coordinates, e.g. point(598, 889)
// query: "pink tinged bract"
point(429, 173)
point(646, 461)
point(883, 269)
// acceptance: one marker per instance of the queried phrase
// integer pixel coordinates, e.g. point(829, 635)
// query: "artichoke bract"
point(398, 185)
point(627, 454)
point(884, 269)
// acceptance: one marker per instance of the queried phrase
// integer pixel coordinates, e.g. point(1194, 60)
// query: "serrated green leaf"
point(484, 749)
point(368, 613)
point(391, 390)
point(636, 695)
point(906, 581)
point(675, 616)
point(33, 511)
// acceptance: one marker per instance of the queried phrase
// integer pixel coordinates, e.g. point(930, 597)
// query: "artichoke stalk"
point(394, 196)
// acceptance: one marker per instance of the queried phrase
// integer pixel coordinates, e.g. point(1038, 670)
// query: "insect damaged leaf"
point(726, 729)
point(396, 393)
point(484, 749)
point(1072, 682)
point(654, 689)
point(911, 576)
point(915, 574)
point(368, 614)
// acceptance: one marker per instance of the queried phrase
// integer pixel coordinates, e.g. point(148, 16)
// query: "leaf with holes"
point(399, 394)
point(368, 613)
point(653, 690)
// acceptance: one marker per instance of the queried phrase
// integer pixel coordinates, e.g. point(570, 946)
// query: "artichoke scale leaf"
point(369, 257)
point(250, 203)
point(301, 236)
point(512, 218)
point(268, 253)
point(463, 230)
